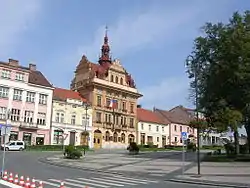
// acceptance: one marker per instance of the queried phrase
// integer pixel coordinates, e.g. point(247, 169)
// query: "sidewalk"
point(228, 174)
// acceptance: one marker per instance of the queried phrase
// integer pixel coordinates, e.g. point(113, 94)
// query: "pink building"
point(27, 95)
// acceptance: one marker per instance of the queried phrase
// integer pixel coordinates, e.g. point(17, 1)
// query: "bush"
point(191, 147)
point(133, 148)
point(230, 149)
point(244, 149)
point(45, 147)
point(71, 152)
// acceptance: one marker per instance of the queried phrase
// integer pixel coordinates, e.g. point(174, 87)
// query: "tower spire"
point(105, 55)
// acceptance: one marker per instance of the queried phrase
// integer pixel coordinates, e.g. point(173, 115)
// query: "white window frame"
point(28, 116)
point(84, 120)
point(43, 99)
point(20, 76)
point(15, 114)
point(30, 96)
point(17, 94)
point(3, 112)
point(73, 119)
point(6, 74)
point(41, 118)
point(4, 92)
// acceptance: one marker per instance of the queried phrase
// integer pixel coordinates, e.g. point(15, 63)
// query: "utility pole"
point(85, 127)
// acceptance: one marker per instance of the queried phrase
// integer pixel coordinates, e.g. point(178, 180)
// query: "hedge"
point(52, 147)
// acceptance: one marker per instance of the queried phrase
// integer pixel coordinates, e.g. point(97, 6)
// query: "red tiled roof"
point(64, 94)
point(145, 115)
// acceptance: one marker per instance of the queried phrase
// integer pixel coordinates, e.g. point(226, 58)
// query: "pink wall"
point(29, 106)
point(42, 108)
point(4, 102)
point(13, 75)
point(17, 104)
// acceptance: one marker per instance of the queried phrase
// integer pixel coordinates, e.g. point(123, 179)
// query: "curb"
point(209, 183)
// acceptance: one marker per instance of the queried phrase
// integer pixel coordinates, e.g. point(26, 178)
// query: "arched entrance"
point(107, 136)
point(97, 139)
point(123, 140)
point(131, 138)
point(84, 138)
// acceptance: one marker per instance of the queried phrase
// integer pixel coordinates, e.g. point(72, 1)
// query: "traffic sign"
point(184, 135)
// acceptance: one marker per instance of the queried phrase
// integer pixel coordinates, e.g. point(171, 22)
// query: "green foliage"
point(133, 148)
point(71, 152)
point(51, 148)
point(191, 146)
point(219, 68)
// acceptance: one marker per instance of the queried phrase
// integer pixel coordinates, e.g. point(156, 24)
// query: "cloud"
point(15, 18)
point(166, 94)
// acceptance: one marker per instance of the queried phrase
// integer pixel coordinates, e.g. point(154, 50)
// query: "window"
point(158, 139)
point(15, 114)
point(175, 139)
point(3, 111)
point(116, 79)
point(106, 118)
point(84, 120)
point(107, 102)
point(121, 120)
point(73, 119)
point(62, 118)
point(99, 100)
point(58, 137)
point(109, 118)
point(149, 127)
point(180, 128)
point(131, 123)
point(162, 129)
point(188, 129)
point(17, 94)
point(112, 78)
point(30, 97)
point(28, 116)
point(142, 126)
point(4, 92)
point(20, 76)
point(59, 117)
point(41, 118)
point(175, 128)
point(132, 108)
point(121, 81)
point(6, 74)
point(123, 106)
point(98, 117)
point(43, 99)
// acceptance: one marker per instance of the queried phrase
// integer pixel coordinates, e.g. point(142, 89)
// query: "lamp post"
point(85, 126)
point(190, 58)
point(7, 122)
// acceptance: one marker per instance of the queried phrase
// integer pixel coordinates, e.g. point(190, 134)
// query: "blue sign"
point(184, 135)
point(4, 125)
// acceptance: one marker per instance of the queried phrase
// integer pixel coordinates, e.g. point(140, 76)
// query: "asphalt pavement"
point(27, 164)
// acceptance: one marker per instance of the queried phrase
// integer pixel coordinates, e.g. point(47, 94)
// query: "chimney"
point(32, 67)
point(13, 62)
point(138, 106)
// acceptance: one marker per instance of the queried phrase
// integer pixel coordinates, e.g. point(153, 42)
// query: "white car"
point(14, 146)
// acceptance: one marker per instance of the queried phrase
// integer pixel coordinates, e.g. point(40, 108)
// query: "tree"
point(220, 65)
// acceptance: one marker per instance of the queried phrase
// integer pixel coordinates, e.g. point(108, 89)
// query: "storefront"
point(40, 139)
point(27, 138)
point(58, 137)
point(13, 136)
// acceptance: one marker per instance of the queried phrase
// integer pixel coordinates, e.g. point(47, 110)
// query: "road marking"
point(5, 183)
point(118, 176)
point(106, 181)
point(117, 181)
point(77, 181)
point(123, 181)
point(74, 184)
point(49, 183)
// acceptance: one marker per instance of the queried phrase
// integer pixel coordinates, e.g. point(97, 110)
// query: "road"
point(27, 164)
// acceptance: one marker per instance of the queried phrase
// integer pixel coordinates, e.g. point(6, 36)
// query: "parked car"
point(14, 146)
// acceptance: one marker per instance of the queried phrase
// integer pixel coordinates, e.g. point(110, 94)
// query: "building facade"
point(152, 129)
point(113, 95)
point(179, 122)
point(71, 119)
point(27, 95)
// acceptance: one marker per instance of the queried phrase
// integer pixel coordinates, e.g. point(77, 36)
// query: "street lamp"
point(85, 127)
point(7, 122)
point(190, 58)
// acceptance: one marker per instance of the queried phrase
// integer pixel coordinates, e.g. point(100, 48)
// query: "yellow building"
point(71, 119)
point(113, 95)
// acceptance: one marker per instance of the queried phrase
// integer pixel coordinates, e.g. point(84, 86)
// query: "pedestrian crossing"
point(107, 181)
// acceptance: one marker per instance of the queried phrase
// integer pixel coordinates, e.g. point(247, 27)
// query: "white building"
point(71, 120)
point(152, 130)
point(27, 95)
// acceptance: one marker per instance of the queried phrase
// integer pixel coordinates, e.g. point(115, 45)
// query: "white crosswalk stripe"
point(108, 181)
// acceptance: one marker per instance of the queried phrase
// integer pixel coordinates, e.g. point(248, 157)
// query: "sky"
point(151, 38)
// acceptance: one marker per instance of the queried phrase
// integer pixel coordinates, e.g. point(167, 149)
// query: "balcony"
point(25, 125)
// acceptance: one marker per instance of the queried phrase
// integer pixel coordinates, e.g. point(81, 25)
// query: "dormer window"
point(121, 81)
point(116, 79)
point(112, 78)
